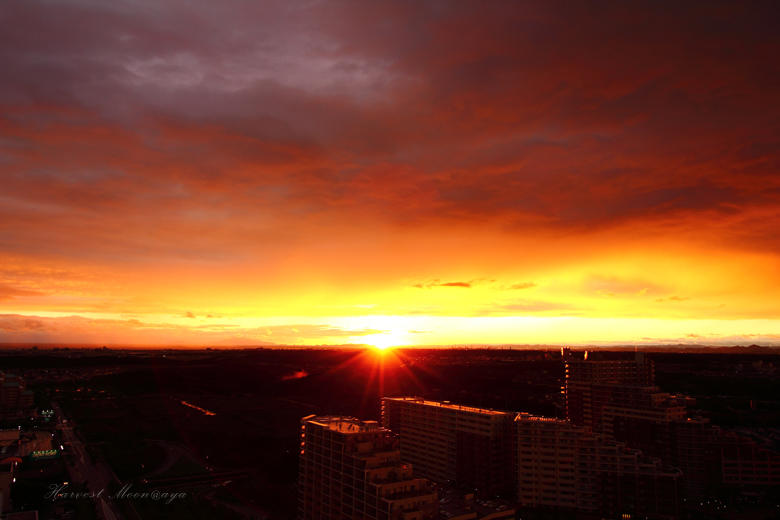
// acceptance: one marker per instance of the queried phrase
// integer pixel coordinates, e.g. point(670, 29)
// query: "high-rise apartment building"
point(560, 465)
point(352, 469)
point(711, 459)
point(448, 443)
point(617, 400)
point(585, 409)
point(641, 416)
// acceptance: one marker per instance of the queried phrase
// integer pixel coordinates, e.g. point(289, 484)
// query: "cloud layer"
point(16, 328)
point(268, 158)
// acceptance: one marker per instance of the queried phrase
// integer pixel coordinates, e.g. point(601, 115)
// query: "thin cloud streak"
point(16, 328)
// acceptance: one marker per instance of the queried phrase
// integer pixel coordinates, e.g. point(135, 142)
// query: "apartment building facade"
point(613, 399)
point(352, 469)
point(582, 406)
point(460, 445)
point(711, 458)
point(563, 466)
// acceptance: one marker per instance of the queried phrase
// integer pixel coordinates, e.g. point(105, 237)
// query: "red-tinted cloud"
point(9, 293)
point(572, 116)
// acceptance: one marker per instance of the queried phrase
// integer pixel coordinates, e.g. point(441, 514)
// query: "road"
point(82, 469)
point(247, 512)
point(173, 452)
point(97, 476)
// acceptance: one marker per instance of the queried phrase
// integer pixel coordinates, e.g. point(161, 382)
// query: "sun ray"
point(369, 384)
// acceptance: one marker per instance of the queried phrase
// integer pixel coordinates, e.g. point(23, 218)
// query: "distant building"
point(581, 375)
point(452, 444)
point(352, 469)
point(560, 465)
point(9, 435)
point(642, 416)
point(617, 399)
point(13, 393)
point(711, 459)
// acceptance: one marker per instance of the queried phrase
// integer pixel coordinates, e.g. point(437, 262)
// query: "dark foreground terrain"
point(201, 418)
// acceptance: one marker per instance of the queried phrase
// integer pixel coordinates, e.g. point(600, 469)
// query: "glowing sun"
point(384, 341)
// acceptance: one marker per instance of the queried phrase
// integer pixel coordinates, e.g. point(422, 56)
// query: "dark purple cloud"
point(168, 129)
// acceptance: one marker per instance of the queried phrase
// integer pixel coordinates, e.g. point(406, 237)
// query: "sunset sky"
point(389, 172)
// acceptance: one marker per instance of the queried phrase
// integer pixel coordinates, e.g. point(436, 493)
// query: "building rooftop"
point(528, 417)
point(600, 361)
point(447, 404)
point(461, 505)
point(344, 424)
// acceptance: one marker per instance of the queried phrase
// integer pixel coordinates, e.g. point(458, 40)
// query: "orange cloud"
point(249, 160)
point(10, 293)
